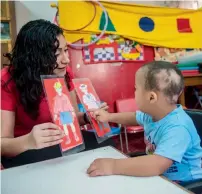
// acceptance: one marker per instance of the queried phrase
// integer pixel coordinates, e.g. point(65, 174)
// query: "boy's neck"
point(162, 111)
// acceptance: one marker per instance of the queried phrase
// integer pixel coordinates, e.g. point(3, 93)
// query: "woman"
point(40, 49)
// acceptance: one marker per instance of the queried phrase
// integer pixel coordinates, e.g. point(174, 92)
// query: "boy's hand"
point(100, 115)
point(102, 167)
point(104, 106)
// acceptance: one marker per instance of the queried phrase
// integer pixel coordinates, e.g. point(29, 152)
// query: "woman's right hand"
point(45, 135)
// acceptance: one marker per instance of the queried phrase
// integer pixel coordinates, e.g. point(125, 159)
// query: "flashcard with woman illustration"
point(62, 112)
point(90, 100)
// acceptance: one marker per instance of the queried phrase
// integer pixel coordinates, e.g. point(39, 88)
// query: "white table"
point(67, 175)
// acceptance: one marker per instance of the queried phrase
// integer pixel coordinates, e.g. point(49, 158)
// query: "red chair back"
point(126, 105)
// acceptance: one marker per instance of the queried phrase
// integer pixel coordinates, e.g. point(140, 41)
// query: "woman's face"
point(62, 57)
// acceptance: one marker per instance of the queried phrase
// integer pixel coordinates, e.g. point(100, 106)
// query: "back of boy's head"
point(164, 77)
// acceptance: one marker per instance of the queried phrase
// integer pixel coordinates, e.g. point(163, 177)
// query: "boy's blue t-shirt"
point(174, 137)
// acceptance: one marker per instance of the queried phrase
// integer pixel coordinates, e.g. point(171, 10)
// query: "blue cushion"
point(115, 130)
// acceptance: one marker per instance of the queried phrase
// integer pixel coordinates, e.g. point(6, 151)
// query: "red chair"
point(128, 105)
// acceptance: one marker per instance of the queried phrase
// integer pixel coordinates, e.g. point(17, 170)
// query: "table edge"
point(161, 176)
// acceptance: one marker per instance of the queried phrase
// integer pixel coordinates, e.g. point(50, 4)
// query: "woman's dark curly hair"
point(33, 55)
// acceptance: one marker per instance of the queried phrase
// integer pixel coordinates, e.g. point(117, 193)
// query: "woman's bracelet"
point(85, 118)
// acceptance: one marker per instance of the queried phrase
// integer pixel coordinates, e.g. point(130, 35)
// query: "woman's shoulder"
point(8, 91)
point(6, 78)
point(5, 73)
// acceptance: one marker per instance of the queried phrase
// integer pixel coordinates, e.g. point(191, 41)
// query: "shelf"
point(8, 28)
point(6, 41)
point(5, 19)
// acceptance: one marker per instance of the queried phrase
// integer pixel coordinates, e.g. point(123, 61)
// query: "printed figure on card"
point(90, 100)
point(62, 111)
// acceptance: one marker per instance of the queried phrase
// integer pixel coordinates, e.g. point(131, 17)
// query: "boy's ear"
point(153, 97)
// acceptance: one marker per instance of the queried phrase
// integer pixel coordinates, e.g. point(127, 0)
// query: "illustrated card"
point(90, 100)
point(62, 111)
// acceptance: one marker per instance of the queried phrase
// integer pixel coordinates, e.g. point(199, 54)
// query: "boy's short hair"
point(165, 77)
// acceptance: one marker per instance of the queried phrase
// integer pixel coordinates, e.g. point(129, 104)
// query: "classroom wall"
point(112, 81)
point(32, 10)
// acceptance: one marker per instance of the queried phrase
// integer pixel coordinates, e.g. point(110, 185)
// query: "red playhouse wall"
point(112, 81)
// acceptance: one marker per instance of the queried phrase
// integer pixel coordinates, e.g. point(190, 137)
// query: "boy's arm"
point(171, 147)
point(143, 166)
point(126, 118)
point(151, 165)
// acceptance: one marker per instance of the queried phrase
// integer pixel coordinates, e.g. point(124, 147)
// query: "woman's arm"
point(143, 166)
point(41, 136)
point(11, 146)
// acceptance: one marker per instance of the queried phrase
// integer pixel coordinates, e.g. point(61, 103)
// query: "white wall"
point(32, 10)
point(200, 3)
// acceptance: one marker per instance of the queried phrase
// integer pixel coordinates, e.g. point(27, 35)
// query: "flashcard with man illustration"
point(90, 100)
point(62, 111)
